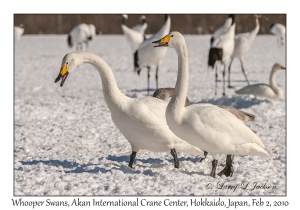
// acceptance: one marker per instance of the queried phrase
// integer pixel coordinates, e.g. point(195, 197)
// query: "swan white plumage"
point(271, 91)
point(165, 93)
point(80, 34)
point(221, 50)
point(279, 31)
point(19, 31)
point(133, 37)
point(141, 120)
point(146, 55)
point(242, 43)
point(204, 125)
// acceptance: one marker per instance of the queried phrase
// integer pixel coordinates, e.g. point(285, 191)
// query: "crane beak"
point(63, 74)
point(162, 42)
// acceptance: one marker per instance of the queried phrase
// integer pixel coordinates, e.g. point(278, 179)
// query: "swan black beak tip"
point(57, 78)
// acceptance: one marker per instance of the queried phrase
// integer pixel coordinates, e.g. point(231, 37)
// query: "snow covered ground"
point(66, 143)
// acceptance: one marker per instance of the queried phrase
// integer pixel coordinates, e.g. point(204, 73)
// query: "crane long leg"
point(229, 68)
point(87, 45)
point(216, 80)
point(228, 170)
point(132, 157)
point(156, 77)
point(174, 154)
point(224, 79)
point(244, 71)
point(148, 78)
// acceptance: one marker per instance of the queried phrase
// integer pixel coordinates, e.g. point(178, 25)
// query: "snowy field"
point(66, 143)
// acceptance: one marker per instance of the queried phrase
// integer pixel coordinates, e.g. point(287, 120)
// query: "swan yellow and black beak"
point(282, 67)
point(63, 74)
point(163, 42)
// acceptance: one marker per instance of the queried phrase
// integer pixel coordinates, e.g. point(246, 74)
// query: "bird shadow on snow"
point(238, 102)
point(93, 168)
point(89, 168)
point(77, 168)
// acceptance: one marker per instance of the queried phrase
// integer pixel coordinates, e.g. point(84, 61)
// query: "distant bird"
point(93, 30)
point(141, 28)
point(146, 55)
point(222, 47)
point(133, 37)
point(141, 120)
point(242, 43)
point(279, 31)
point(271, 91)
point(19, 31)
point(223, 29)
point(206, 126)
point(82, 33)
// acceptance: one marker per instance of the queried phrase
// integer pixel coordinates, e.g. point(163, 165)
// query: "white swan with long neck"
point(206, 126)
point(272, 91)
point(141, 120)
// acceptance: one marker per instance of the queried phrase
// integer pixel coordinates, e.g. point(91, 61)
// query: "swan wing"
point(262, 90)
point(219, 125)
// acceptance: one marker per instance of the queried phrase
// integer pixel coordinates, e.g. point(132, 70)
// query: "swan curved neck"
point(111, 92)
point(178, 100)
point(273, 83)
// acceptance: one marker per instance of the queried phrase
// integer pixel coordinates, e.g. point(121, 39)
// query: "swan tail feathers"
point(189, 149)
point(249, 117)
point(251, 149)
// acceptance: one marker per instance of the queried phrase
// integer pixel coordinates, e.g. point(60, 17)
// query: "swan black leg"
point(132, 157)
point(228, 170)
point(148, 78)
point(174, 154)
point(243, 70)
point(214, 167)
point(205, 154)
point(229, 68)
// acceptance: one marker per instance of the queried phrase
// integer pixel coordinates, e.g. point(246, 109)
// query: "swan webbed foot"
point(174, 154)
point(132, 157)
point(228, 170)
point(205, 154)
point(214, 167)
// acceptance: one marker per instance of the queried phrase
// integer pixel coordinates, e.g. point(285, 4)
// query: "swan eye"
point(67, 62)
